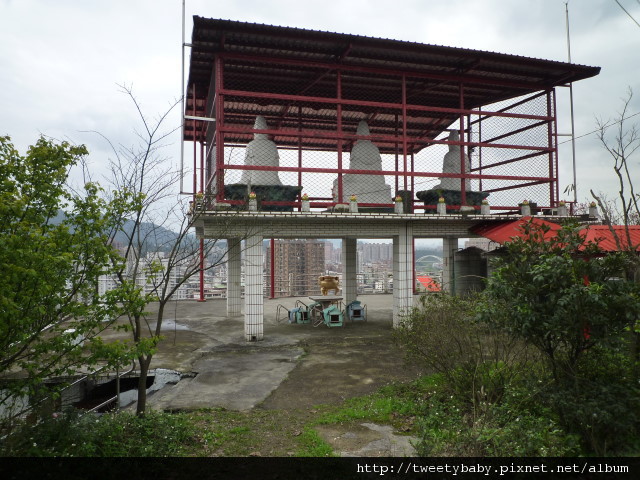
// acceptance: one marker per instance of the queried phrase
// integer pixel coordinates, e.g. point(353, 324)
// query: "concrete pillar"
point(254, 289)
point(234, 277)
point(396, 276)
point(449, 246)
point(402, 273)
point(350, 269)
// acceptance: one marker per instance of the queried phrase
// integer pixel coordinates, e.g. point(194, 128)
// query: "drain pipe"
point(117, 388)
point(117, 397)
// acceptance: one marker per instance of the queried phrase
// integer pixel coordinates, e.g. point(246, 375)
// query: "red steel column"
point(404, 131)
point(219, 116)
point(463, 167)
point(195, 141)
point(554, 192)
point(339, 126)
point(480, 150)
point(396, 159)
point(300, 151)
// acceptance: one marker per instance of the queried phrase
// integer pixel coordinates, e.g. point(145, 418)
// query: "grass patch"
point(428, 409)
point(312, 445)
point(396, 405)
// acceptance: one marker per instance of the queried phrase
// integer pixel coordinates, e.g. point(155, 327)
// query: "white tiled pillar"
point(234, 277)
point(449, 246)
point(254, 289)
point(396, 276)
point(350, 265)
point(402, 273)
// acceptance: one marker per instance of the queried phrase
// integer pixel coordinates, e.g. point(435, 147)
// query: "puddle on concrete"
point(172, 325)
point(162, 378)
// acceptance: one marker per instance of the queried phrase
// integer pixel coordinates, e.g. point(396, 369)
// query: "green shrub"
point(477, 361)
point(517, 426)
point(111, 435)
point(601, 403)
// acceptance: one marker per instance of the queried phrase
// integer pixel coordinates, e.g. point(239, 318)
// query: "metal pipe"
point(182, 112)
point(204, 119)
point(573, 130)
point(202, 299)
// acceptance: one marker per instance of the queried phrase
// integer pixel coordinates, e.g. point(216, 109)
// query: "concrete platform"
point(296, 365)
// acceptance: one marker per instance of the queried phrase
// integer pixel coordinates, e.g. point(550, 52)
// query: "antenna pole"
point(573, 131)
point(182, 105)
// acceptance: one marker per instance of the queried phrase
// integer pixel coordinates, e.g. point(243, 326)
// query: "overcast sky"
point(61, 61)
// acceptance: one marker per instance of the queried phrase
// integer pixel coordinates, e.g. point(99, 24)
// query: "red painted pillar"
point(272, 272)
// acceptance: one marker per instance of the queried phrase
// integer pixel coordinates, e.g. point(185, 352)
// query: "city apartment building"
point(298, 263)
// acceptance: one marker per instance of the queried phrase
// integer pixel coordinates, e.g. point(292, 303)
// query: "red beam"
point(382, 172)
point(363, 103)
point(375, 138)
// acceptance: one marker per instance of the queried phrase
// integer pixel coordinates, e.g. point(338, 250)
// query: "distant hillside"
point(155, 238)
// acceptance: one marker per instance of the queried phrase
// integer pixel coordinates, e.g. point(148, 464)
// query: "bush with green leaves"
point(477, 360)
point(570, 301)
point(515, 426)
point(111, 435)
point(601, 403)
point(54, 246)
point(560, 294)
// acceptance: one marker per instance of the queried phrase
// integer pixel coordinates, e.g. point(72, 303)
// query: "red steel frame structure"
point(314, 87)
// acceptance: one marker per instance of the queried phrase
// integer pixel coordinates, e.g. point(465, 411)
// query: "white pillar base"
point(234, 277)
point(350, 266)
point(449, 245)
point(402, 274)
point(254, 290)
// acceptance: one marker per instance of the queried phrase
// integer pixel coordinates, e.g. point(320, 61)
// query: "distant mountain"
point(155, 238)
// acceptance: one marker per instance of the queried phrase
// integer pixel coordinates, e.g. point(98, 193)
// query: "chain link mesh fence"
point(309, 131)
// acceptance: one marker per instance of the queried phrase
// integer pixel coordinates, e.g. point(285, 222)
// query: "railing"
point(68, 398)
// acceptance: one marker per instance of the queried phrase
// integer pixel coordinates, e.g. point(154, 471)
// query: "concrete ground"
point(221, 369)
point(296, 366)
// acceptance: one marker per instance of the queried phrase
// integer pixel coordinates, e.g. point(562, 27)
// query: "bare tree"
point(160, 253)
point(621, 146)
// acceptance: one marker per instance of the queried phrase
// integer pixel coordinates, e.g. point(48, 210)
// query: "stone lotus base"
point(451, 197)
point(264, 193)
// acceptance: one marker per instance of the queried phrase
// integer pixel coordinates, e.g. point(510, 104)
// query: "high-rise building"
point(297, 266)
point(376, 252)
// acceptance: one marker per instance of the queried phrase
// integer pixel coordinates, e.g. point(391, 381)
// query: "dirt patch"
point(336, 369)
point(367, 440)
point(341, 368)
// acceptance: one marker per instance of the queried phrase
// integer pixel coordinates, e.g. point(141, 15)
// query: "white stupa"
point(261, 152)
point(451, 164)
point(367, 188)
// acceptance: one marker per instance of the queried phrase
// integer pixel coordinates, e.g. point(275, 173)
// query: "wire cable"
point(625, 11)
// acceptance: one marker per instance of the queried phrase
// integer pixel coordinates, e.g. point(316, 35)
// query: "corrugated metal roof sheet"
point(428, 283)
point(606, 238)
point(603, 235)
point(501, 232)
point(295, 61)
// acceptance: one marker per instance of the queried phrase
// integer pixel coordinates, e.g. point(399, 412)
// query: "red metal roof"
point(605, 238)
point(501, 232)
point(428, 283)
point(266, 59)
